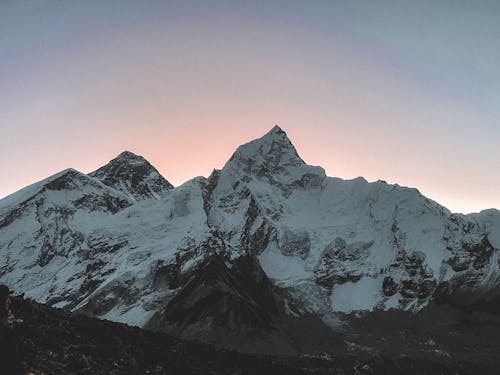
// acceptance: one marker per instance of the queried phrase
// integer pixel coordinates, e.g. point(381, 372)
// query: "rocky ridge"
point(134, 176)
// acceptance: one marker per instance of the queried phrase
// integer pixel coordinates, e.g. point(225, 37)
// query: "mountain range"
point(267, 254)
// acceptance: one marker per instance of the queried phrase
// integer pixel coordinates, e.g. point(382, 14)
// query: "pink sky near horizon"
point(185, 157)
point(354, 96)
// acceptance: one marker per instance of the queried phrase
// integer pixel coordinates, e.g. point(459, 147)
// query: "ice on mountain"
point(329, 243)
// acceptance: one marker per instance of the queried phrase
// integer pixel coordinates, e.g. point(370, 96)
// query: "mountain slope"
point(327, 246)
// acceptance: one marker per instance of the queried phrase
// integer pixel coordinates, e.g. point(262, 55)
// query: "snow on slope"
point(393, 241)
point(99, 244)
point(490, 219)
point(75, 237)
point(301, 212)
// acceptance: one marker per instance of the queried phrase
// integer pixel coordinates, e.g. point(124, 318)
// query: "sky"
point(403, 91)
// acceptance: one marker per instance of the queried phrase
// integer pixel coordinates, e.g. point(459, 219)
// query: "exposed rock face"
point(121, 244)
point(389, 286)
point(134, 176)
point(273, 159)
point(340, 262)
point(295, 243)
point(221, 299)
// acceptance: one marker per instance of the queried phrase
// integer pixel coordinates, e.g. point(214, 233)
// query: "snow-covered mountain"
point(134, 176)
point(266, 236)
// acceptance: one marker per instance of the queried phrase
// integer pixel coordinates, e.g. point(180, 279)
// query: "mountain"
point(45, 214)
point(267, 253)
point(134, 176)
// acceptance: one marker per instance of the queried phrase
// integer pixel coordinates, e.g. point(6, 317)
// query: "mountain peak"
point(272, 154)
point(273, 145)
point(276, 130)
point(276, 134)
point(133, 175)
point(129, 156)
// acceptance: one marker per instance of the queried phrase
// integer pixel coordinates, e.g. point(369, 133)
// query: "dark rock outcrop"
point(221, 299)
point(339, 262)
point(295, 243)
point(389, 286)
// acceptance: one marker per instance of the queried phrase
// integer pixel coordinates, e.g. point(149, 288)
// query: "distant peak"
point(276, 130)
point(67, 171)
point(274, 144)
point(128, 155)
point(275, 133)
point(133, 175)
point(130, 159)
point(271, 155)
point(67, 174)
point(67, 179)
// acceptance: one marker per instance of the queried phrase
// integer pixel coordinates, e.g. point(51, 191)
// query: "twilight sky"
point(404, 91)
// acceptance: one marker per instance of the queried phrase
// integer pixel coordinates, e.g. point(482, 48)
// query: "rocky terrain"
point(43, 340)
point(37, 339)
point(133, 176)
point(267, 254)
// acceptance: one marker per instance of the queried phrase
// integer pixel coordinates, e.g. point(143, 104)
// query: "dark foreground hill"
point(44, 340)
point(39, 339)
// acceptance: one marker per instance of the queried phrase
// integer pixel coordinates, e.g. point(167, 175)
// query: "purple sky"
point(404, 91)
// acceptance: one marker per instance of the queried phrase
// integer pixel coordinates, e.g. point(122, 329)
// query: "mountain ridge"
point(134, 176)
point(110, 246)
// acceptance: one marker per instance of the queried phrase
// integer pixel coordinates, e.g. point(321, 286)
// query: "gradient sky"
point(404, 91)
